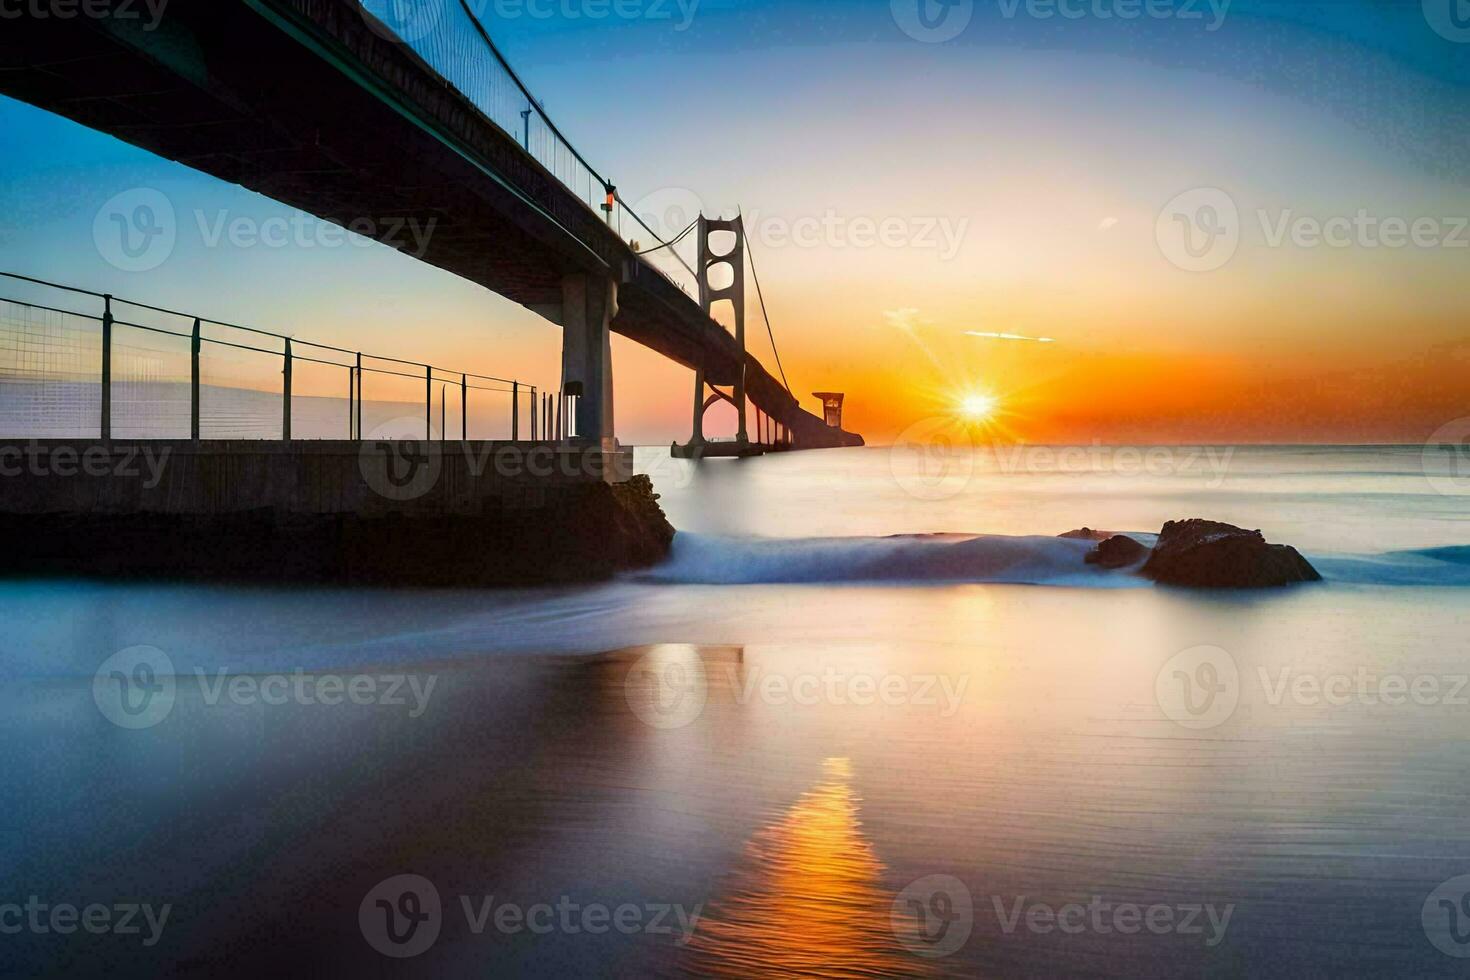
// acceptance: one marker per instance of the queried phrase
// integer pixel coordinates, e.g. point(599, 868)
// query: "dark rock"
point(1119, 551)
point(1209, 554)
point(1086, 534)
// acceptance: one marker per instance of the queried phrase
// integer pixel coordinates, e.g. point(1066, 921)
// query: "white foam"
point(1032, 560)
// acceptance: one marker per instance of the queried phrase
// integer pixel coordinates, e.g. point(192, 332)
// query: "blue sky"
point(1054, 140)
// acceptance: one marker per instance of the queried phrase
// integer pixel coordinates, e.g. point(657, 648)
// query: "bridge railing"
point(75, 363)
point(451, 37)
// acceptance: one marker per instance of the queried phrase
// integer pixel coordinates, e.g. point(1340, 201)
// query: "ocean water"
point(871, 718)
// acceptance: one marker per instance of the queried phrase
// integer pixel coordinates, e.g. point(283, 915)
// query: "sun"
point(977, 407)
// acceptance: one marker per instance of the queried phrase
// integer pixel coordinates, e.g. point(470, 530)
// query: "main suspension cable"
point(765, 316)
point(672, 242)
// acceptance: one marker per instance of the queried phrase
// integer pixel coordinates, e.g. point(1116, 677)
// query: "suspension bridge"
point(342, 110)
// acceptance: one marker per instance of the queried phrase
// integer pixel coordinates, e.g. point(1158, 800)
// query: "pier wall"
point(390, 513)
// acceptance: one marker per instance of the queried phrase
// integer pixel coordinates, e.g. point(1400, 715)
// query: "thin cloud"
point(905, 319)
point(1008, 336)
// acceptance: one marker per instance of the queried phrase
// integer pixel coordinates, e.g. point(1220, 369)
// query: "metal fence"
point(452, 40)
point(127, 369)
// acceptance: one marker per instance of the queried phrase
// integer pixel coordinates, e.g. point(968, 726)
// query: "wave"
point(704, 559)
point(1036, 560)
point(1448, 566)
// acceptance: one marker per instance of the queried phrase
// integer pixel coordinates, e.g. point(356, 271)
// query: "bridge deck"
point(303, 101)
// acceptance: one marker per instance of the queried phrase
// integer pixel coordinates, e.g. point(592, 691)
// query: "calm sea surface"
point(872, 718)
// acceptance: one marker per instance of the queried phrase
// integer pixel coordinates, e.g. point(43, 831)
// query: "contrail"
point(1008, 336)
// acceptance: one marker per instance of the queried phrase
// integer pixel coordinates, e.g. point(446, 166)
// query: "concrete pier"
point(431, 513)
point(409, 477)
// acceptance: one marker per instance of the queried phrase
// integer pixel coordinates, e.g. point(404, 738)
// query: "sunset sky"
point(906, 197)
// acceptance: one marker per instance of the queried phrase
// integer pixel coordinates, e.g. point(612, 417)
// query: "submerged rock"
point(1210, 554)
point(1119, 551)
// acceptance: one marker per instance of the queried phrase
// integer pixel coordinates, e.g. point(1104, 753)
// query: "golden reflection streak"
point(808, 902)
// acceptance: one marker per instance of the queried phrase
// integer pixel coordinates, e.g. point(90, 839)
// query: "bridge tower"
point(709, 295)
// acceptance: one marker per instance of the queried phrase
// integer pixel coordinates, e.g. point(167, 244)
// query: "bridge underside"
point(302, 101)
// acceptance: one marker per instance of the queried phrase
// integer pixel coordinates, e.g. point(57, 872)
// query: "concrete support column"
point(698, 437)
point(589, 304)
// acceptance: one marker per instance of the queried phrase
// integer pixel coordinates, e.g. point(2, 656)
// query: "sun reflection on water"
point(808, 900)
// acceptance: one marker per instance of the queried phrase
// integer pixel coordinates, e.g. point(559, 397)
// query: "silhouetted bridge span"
point(322, 106)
